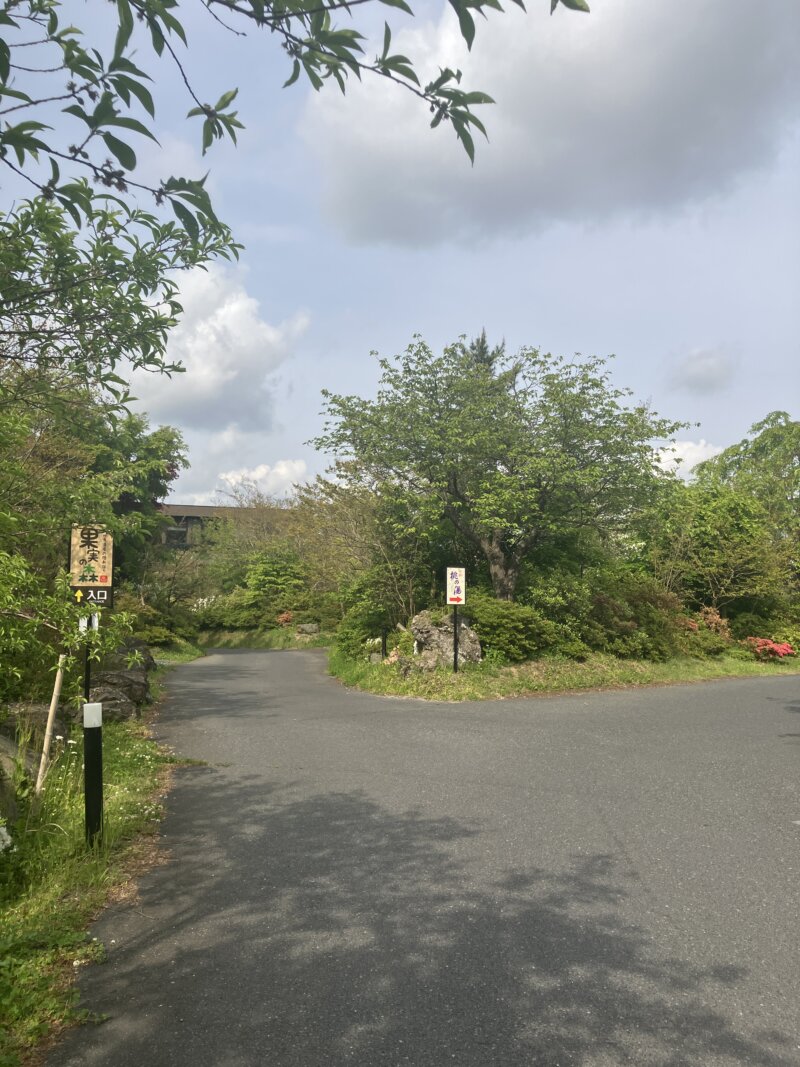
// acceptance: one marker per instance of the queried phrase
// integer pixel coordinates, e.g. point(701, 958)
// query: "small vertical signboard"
point(456, 594)
point(456, 585)
point(91, 565)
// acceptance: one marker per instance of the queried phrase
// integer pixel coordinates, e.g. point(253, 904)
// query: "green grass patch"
point(178, 651)
point(51, 884)
point(486, 681)
point(282, 638)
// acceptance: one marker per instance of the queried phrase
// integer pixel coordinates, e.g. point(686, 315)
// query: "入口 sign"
point(456, 585)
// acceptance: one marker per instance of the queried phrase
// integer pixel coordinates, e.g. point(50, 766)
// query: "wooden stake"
point(48, 733)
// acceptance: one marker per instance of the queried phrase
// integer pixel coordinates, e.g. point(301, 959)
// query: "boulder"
point(132, 681)
point(31, 719)
point(433, 641)
point(118, 661)
point(117, 706)
point(308, 628)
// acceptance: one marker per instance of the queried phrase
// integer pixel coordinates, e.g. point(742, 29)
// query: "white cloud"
point(275, 480)
point(172, 156)
point(636, 108)
point(683, 456)
point(229, 352)
point(704, 371)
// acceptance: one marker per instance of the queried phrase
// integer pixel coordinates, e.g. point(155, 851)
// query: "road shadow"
point(328, 931)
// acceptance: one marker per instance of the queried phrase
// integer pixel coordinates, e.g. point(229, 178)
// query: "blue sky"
point(639, 196)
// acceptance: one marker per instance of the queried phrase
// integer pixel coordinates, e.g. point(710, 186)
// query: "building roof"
point(199, 511)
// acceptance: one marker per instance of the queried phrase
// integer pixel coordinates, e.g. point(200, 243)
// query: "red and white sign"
point(456, 585)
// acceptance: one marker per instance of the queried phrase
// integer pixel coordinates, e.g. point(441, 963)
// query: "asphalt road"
point(603, 879)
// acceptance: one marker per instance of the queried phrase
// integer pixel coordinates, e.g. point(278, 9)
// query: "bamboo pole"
point(48, 734)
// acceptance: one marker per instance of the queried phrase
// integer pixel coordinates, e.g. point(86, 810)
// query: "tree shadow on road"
point(328, 930)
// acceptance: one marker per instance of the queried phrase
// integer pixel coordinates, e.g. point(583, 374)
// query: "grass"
point(178, 651)
point(486, 681)
point(51, 884)
point(279, 638)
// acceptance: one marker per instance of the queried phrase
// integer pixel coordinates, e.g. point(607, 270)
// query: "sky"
point(639, 197)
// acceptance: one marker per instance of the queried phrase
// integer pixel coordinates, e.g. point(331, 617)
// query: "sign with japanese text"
point(456, 585)
point(92, 596)
point(91, 565)
point(91, 557)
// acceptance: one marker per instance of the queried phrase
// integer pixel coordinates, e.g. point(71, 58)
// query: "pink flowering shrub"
point(285, 618)
point(765, 649)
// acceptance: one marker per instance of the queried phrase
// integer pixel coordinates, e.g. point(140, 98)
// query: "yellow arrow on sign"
point(79, 596)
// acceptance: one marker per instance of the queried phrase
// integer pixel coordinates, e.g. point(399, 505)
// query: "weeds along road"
point(603, 879)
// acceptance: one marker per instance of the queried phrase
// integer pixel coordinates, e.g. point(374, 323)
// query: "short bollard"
point(93, 772)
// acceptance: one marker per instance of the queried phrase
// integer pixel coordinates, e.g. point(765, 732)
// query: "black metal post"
point(93, 772)
point(92, 752)
point(383, 643)
point(455, 638)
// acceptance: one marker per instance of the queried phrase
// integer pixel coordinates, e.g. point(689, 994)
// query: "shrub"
point(514, 631)
point(361, 623)
point(241, 609)
point(278, 576)
point(765, 649)
point(788, 633)
point(633, 616)
point(712, 619)
point(703, 642)
point(747, 623)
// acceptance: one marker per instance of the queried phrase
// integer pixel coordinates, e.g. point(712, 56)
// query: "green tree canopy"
point(512, 451)
point(714, 545)
point(765, 464)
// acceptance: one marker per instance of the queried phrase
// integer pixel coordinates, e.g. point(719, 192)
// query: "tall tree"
point(513, 451)
point(714, 545)
point(765, 464)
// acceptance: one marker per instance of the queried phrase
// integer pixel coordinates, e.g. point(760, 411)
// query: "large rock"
point(307, 629)
point(433, 641)
point(118, 661)
point(132, 681)
point(30, 720)
point(117, 707)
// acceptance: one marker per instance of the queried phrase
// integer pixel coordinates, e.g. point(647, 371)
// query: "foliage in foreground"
point(51, 884)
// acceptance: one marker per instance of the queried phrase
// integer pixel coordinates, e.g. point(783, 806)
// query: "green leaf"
point(126, 86)
point(124, 153)
point(576, 5)
point(208, 134)
point(69, 206)
point(186, 219)
point(5, 61)
point(476, 98)
point(132, 124)
point(400, 4)
point(125, 20)
point(465, 21)
point(294, 75)
point(226, 99)
point(78, 112)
